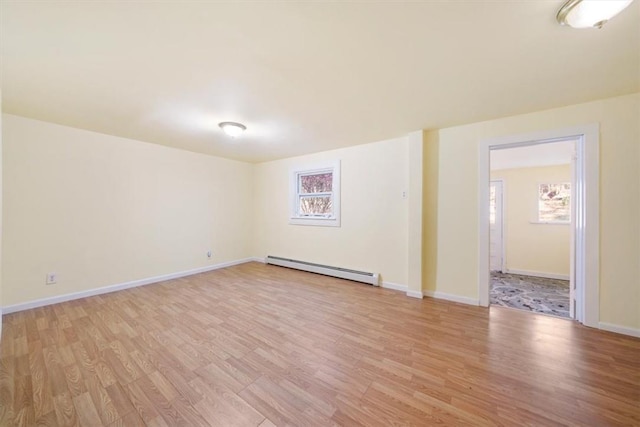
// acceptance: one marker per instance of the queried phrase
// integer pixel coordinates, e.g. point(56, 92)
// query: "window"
point(315, 195)
point(554, 202)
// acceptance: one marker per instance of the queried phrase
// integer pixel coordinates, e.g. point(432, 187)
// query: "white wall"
point(100, 210)
point(619, 199)
point(373, 234)
point(531, 247)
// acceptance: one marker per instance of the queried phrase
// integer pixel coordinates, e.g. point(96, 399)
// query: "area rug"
point(541, 295)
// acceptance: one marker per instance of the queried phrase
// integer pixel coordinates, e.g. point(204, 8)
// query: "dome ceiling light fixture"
point(590, 13)
point(232, 129)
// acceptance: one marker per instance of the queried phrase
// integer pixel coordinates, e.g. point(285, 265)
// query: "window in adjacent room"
point(315, 195)
point(554, 202)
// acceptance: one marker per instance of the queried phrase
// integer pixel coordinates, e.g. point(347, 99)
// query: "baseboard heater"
point(327, 270)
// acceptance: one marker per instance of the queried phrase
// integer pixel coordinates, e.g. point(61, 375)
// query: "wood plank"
point(86, 410)
point(65, 410)
point(120, 400)
point(220, 406)
point(188, 413)
point(132, 419)
point(102, 401)
point(145, 408)
point(164, 408)
point(7, 389)
point(41, 388)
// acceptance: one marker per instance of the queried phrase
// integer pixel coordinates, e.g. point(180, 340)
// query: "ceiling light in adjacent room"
point(232, 129)
point(590, 13)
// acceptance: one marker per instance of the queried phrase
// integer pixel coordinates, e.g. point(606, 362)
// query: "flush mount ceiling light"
point(232, 129)
point(590, 13)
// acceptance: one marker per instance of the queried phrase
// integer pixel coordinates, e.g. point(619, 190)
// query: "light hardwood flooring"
point(262, 345)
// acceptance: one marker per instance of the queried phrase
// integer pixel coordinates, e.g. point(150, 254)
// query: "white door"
point(496, 258)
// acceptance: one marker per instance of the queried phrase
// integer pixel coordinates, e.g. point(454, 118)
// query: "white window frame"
point(295, 218)
point(537, 211)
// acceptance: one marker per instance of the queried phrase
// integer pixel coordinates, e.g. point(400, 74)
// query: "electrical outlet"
point(52, 278)
point(209, 253)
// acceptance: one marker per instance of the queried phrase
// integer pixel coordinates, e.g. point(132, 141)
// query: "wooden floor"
point(262, 345)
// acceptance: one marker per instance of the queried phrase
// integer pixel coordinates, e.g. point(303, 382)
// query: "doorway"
point(529, 227)
point(584, 226)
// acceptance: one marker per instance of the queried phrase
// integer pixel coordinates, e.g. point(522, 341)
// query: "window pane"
point(316, 183)
point(554, 202)
point(316, 205)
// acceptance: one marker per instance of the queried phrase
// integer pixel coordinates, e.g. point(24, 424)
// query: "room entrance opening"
point(556, 202)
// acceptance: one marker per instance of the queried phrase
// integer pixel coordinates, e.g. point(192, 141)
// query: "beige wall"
point(373, 234)
point(100, 210)
point(530, 246)
point(619, 199)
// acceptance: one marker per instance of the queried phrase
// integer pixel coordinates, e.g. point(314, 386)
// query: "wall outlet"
point(209, 253)
point(52, 278)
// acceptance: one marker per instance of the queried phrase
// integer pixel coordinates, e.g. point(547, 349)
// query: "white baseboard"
point(257, 259)
point(394, 286)
point(117, 287)
point(537, 274)
point(625, 330)
point(414, 294)
point(450, 297)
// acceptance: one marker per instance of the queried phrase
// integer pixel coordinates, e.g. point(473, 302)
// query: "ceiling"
point(302, 76)
point(547, 154)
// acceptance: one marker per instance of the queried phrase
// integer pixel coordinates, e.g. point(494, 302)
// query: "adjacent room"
point(320, 213)
point(530, 227)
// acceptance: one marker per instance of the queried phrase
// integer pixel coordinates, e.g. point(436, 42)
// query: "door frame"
point(503, 252)
point(585, 219)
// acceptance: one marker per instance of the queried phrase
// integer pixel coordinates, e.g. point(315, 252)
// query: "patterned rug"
point(549, 296)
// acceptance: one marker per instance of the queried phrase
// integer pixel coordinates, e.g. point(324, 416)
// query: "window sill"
point(318, 222)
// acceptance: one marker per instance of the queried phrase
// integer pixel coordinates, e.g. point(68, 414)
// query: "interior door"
point(496, 226)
